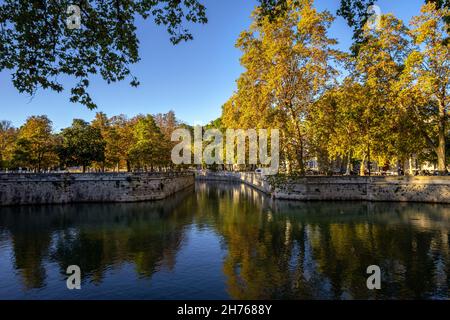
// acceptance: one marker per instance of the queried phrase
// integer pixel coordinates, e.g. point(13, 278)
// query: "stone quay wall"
point(399, 189)
point(25, 189)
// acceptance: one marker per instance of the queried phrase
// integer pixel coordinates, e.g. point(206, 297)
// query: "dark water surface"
point(223, 241)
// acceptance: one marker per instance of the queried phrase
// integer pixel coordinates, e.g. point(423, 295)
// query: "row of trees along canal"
point(387, 101)
point(116, 143)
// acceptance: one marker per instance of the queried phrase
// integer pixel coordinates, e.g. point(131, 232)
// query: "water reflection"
point(226, 241)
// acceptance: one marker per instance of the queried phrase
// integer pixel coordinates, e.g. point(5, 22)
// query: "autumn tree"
point(289, 62)
point(113, 142)
point(124, 128)
point(378, 67)
point(8, 135)
point(336, 125)
point(363, 118)
point(426, 79)
point(167, 123)
point(35, 144)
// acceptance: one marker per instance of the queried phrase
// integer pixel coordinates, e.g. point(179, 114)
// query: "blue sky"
point(194, 79)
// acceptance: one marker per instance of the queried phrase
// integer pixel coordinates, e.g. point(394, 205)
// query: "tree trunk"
point(410, 163)
point(362, 169)
point(288, 167)
point(84, 169)
point(349, 165)
point(400, 169)
point(440, 150)
point(300, 159)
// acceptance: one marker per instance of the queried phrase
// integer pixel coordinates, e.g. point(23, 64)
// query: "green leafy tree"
point(355, 12)
point(150, 149)
point(37, 46)
point(81, 145)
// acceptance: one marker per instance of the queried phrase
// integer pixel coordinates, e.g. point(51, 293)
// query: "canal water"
point(225, 241)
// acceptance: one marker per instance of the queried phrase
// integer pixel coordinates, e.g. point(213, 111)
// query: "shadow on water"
point(226, 241)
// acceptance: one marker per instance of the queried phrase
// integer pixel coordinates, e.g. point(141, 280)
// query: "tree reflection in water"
point(273, 249)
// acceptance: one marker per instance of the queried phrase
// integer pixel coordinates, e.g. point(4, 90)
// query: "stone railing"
point(20, 189)
point(253, 179)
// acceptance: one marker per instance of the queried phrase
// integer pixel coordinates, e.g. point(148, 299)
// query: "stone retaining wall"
point(403, 189)
point(18, 189)
point(21, 189)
